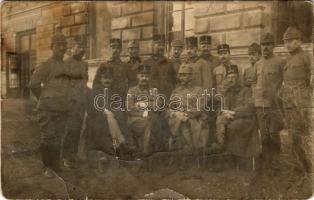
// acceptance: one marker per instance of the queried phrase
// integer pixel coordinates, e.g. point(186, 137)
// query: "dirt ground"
point(22, 172)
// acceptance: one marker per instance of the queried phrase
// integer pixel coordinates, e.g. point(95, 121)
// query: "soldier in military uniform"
point(296, 94)
point(120, 69)
point(163, 75)
point(191, 49)
point(205, 51)
point(176, 49)
point(249, 74)
point(239, 135)
point(50, 84)
point(268, 81)
point(134, 61)
point(221, 70)
point(186, 116)
point(105, 124)
point(76, 101)
point(142, 117)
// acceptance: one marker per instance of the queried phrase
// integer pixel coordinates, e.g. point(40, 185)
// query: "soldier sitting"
point(236, 124)
point(141, 115)
point(186, 118)
point(105, 123)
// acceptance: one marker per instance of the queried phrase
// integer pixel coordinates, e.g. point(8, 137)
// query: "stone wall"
point(134, 20)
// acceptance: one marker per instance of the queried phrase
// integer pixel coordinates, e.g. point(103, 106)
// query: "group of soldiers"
point(256, 105)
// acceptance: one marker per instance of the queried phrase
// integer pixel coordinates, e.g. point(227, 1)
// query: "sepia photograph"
point(157, 99)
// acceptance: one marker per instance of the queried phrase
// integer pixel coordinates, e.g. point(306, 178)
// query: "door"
point(25, 62)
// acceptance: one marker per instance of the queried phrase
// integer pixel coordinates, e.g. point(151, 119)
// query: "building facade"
point(26, 29)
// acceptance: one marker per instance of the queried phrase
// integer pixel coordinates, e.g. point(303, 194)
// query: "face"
point(105, 81)
point(254, 57)
point(292, 44)
point(184, 78)
point(205, 48)
point(59, 49)
point(143, 79)
point(191, 51)
point(224, 57)
point(116, 50)
point(134, 51)
point(232, 79)
point(177, 51)
point(267, 49)
point(78, 50)
point(158, 48)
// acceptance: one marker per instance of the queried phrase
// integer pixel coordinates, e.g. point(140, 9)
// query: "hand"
point(108, 112)
point(141, 105)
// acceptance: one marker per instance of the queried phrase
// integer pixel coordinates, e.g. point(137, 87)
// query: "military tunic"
point(145, 127)
point(120, 76)
point(296, 93)
point(176, 63)
point(133, 64)
point(163, 76)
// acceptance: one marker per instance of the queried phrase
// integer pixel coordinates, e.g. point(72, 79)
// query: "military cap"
point(133, 43)
point(292, 33)
point(205, 39)
point(159, 38)
point(267, 38)
point(115, 42)
point(177, 43)
point(144, 69)
point(58, 38)
point(255, 48)
point(185, 69)
point(80, 40)
point(191, 41)
point(232, 69)
point(223, 47)
point(106, 71)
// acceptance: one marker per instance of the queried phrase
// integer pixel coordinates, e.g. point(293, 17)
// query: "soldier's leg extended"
point(299, 122)
point(72, 137)
point(264, 120)
point(52, 127)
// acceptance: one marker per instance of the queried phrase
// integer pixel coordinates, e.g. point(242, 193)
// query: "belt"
point(68, 77)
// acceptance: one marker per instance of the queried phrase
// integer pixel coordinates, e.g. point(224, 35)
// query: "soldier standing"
point(191, 49)
point(297, 97)
point(249, 74)
point(120, 69)
point(77, 99)
point(50, 85)
point(268, 81)
point(134, 61)
point(163, 74)
point(177, 48)
point(221, 70)
point(205, 51)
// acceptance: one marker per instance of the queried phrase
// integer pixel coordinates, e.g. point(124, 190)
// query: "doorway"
point(21, 65)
